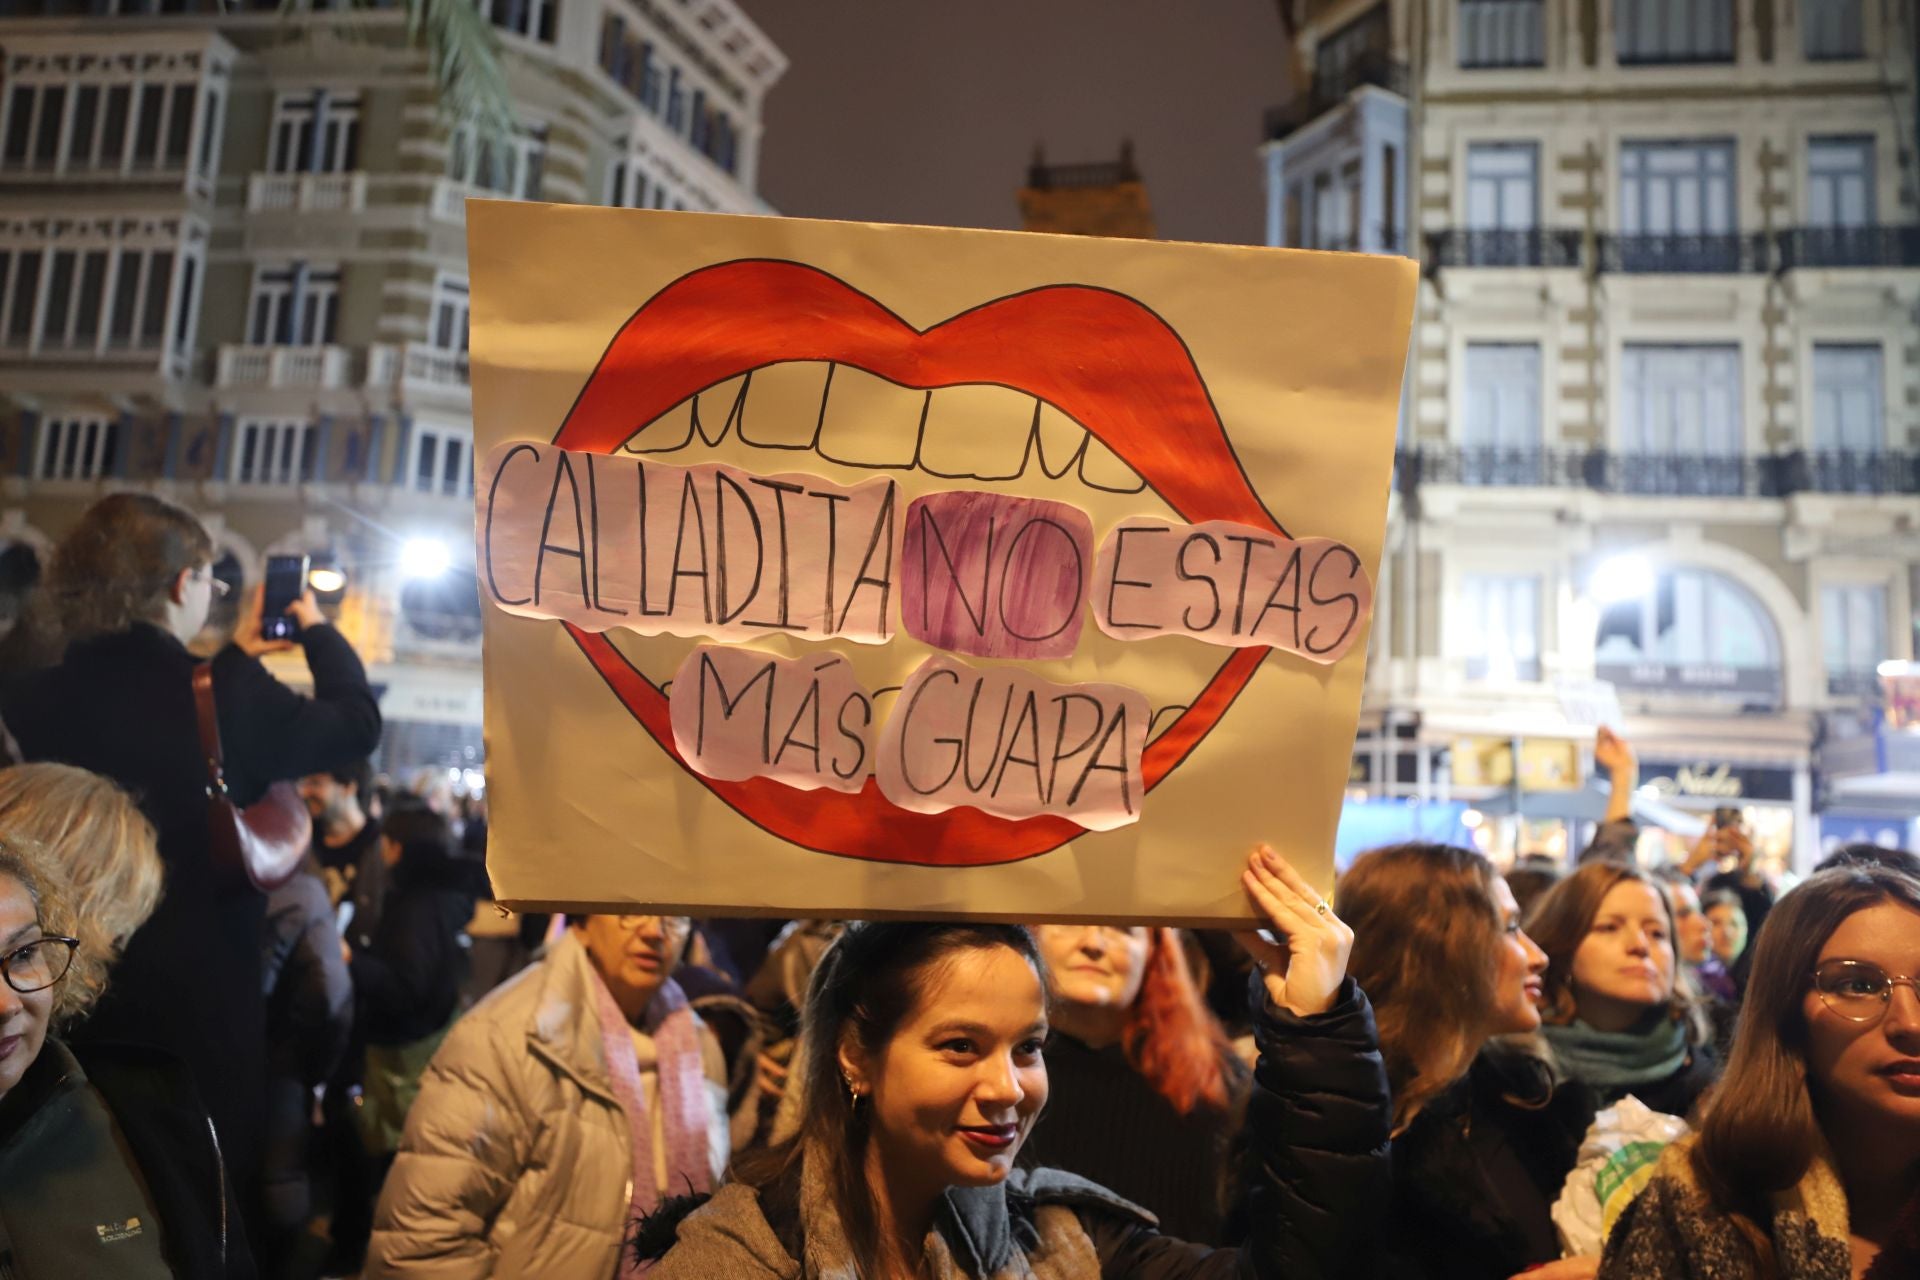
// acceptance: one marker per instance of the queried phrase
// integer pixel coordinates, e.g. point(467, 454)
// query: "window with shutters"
point(274, 452)
point(76, 448)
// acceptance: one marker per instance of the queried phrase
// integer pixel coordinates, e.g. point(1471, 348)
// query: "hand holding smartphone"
point(285, 582)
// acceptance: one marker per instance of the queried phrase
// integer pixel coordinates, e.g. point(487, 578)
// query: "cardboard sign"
point(848, 571)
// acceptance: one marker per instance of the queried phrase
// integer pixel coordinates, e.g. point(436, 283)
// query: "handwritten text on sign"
point(1006, 741)
point(605, 541)
point(1230, 584)
point(714, 551)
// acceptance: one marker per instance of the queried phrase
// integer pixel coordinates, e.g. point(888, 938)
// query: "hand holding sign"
point(1305, 969)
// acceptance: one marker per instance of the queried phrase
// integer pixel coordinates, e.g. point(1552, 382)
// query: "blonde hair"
point(82, 831)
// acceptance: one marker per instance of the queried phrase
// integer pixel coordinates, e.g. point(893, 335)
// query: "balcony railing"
point(313, 367)
point(1851, 471)
point(1850, 247)
point(306, 192)
point(1325, 94)
point(1728, 254)
point(1659, 474)
point(1533, 247)
point(416, 366)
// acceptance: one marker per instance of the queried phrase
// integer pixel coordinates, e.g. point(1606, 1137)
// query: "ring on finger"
point(1323, 909)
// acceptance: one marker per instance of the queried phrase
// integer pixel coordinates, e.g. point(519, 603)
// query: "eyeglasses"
point(672, 926)
point(219, 586)
point(1857, 990)
point(38, 964)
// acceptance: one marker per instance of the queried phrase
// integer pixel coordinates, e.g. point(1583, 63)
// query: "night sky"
point(927, 111)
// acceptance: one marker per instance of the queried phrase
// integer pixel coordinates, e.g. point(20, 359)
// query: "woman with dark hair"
point(407, 968)
point(923, 1071)
point(1807, 1165)
point(133, 583)
point(1618, 1018)
point(1146, 1091)
point(1481, 1144)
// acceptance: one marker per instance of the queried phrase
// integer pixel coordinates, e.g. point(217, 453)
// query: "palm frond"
point(463, 51)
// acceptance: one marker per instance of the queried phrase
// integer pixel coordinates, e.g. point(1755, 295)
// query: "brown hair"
point(1426, 936)
point(116, 566)
point(89, 831)
point(1564, 915)
point(1761, 1128)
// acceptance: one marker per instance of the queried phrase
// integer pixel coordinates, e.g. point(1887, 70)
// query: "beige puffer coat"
point(517, 1159)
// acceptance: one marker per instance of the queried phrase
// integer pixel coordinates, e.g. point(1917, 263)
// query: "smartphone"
point(286, 581)
point(1726, 816)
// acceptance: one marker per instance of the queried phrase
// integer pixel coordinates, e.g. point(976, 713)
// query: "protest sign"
point(846, 570)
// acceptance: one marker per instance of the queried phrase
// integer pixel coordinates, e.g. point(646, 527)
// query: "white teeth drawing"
point(857, 397)
point(813, 406)
point(976, 433)
point(1101, 468)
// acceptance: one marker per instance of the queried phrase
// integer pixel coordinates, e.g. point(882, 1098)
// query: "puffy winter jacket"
point(517, 1159)
point(1318, 1120)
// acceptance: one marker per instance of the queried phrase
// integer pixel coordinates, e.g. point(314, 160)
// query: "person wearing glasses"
point(1807, 1164)
point(132, 584)
point(109, 1165)
point(1147, 1094)
point(571, 1100)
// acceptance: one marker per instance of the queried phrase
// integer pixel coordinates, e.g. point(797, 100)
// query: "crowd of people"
point(369, 1069)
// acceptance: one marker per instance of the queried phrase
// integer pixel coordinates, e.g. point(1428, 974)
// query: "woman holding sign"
point(925, 1074)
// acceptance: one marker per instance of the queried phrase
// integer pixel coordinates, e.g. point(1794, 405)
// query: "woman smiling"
point(924, 1073)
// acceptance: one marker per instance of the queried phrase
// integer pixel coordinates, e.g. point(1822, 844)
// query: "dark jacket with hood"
point(1318, 1120)
point(1476, 1174)
point(121, 705)
point(406, 981)
point(70, 1195)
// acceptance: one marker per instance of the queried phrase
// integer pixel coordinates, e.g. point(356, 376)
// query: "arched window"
point(444, 608)
point(1696, 632)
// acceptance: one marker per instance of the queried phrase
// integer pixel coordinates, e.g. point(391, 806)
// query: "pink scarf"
point(682, 1094)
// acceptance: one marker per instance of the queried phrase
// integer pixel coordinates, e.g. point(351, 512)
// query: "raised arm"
point(1318, 1117)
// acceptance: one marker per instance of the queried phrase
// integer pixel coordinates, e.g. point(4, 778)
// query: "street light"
point(1625, 577)
point(424, 558)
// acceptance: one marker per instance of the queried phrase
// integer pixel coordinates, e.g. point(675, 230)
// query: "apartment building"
point(233, 272)
point(1662, 421)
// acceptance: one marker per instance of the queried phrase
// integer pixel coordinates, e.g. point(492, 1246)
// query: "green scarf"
point(1615, 1059)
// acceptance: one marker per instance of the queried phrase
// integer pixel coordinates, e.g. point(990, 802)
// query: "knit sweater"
point(1105, 1122)
point(1672, 1232)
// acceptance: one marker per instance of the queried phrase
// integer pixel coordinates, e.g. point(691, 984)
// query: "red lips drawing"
point(1100, 357)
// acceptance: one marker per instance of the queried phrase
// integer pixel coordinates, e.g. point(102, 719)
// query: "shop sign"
point(1721, 783)
point(1750, 683)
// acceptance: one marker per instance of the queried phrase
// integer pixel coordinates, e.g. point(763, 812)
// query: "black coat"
point(1476, 1174)
point(406, 981)
point(169, 1139)
point(122, 705)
